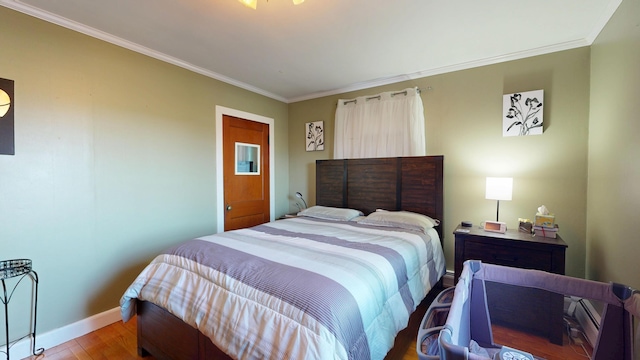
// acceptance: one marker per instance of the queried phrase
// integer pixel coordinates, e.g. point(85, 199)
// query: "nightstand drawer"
point(508, 256)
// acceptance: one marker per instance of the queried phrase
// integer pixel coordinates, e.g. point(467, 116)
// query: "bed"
point(307, 287)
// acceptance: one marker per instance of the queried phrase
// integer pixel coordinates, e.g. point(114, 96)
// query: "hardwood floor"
point(118, 341)
point(541, 347)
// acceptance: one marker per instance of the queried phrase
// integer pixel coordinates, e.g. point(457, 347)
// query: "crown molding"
point(447, 69)
point(603, 20)
point(98, 34)
point(587, 41)
point(55, 19)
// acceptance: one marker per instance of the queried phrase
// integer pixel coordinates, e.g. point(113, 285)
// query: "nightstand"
point(533, 310)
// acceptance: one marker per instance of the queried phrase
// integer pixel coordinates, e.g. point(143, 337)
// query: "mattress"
point(298, 288)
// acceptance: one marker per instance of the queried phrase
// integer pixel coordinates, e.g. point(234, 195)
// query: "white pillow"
point(401, 219)
point(330, 213)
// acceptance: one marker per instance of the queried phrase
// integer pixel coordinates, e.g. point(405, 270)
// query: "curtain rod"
point(418, 90)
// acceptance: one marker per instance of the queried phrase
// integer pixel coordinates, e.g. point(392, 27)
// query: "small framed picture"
point(522, 113)
point(7, 104)
point(314, 134)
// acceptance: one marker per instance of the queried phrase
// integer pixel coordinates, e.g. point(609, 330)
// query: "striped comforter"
point(298, 288)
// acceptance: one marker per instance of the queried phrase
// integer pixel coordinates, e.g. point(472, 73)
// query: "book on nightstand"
point(543, 231)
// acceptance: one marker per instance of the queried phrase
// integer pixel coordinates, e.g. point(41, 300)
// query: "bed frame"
point(407, 183)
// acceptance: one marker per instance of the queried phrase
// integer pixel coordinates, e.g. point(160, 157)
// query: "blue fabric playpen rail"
point(466, 333)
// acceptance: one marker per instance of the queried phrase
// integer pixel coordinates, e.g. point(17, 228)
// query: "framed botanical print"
point(314, 134)
point(522, 113)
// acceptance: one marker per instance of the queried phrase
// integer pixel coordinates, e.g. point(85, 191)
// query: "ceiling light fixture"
point(250, 3)
point(254, 3)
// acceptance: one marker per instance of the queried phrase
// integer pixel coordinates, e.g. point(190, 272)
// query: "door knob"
point(228, 207)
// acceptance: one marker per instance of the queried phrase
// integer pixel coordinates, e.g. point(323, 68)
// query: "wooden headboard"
point(405, 183)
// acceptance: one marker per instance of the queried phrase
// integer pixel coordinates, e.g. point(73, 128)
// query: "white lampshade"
point(254, 3)
point(499, 188)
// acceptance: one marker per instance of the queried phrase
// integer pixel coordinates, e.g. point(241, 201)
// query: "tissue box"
point(545, 220)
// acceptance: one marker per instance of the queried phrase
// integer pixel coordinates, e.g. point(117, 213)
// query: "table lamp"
point(299, 196)
point(499, 188)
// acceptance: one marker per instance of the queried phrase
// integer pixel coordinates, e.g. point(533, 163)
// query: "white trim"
point(446, 69)
point(22, 349)
point(99, 34)
point(604, 19)
point(220, 111)
point(589, 319)
point(447, 279)
point(69, 24)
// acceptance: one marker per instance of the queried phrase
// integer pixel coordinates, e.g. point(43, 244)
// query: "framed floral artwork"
point(314, 133)
point(522, 113)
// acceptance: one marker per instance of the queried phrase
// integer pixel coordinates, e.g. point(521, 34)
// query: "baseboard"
point(22, 349)
point(447, 279)
point(589, 319)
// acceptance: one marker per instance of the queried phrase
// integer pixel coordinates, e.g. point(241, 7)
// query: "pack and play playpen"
point(457, 325)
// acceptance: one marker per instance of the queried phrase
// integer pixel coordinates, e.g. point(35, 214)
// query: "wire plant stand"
point(20, 269)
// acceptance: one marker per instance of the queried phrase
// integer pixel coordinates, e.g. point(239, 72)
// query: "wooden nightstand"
point(533, 310)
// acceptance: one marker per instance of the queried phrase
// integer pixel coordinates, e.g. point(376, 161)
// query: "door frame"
point(220, 112)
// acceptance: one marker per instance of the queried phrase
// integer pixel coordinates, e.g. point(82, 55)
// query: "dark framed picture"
point(7, 105)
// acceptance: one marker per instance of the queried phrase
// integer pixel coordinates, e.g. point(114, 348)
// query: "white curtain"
point(389, 124)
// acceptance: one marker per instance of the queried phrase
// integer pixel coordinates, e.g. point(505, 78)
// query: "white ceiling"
point(321, 47)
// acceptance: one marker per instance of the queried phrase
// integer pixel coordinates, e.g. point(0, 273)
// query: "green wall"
point(115, 161)
point(584, 167)
point(115, 155)
point(613, 247)
point(463, 114)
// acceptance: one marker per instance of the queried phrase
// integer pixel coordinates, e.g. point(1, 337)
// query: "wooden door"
point(246, 172)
